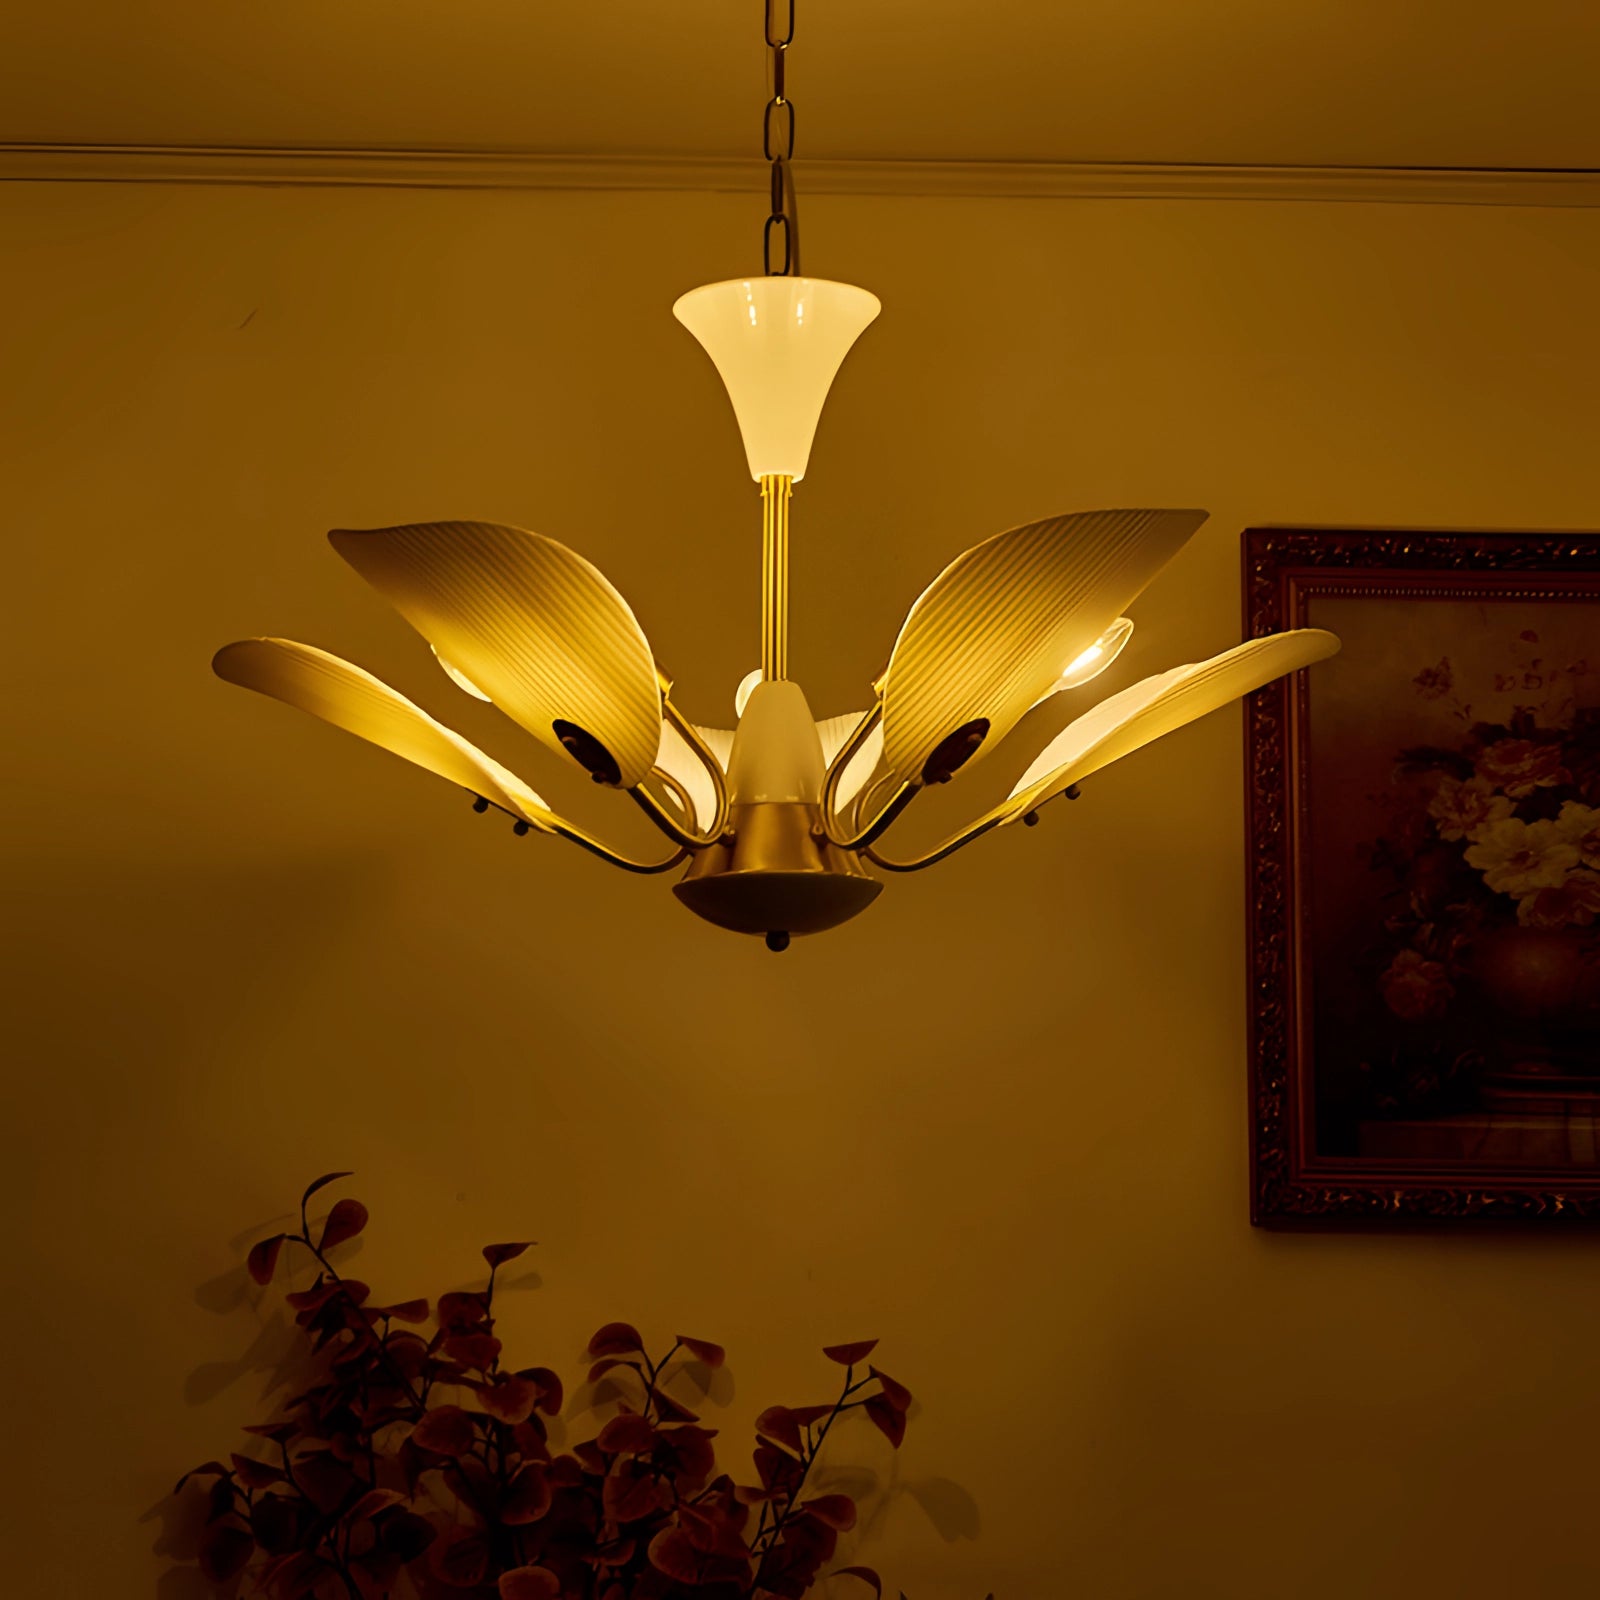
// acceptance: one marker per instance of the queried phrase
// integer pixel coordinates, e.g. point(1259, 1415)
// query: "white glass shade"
point(859, 767)
point(777, 756)
point(529, 623)
point(680, 761)
point(458, 677)
point(350, 698)
point(1147, 710)
point(996, 629)
point(777, 342)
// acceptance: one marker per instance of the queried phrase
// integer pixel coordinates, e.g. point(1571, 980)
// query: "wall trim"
point(445, 169)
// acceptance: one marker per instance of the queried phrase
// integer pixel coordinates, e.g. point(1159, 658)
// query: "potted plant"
point(418, 1460)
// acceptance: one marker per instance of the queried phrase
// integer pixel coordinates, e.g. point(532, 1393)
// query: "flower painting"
point(1425, 866)
point(1487, 872)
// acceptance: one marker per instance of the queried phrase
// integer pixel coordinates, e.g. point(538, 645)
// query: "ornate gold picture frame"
point(1424, 879)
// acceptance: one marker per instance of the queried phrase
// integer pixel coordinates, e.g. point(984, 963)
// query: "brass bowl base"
point(776, 876)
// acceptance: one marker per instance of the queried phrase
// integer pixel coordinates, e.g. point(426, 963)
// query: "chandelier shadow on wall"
point(782, 819)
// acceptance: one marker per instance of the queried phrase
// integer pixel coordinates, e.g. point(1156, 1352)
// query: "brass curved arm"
point(847, 753)
point(933, 857)
point(864, 838)
point(708, 760)
point(562, 829)
point(892, 807)
point(689, 838)
point(666, 822)
point(606, 853)
point(676, 790)
point(1007, 811)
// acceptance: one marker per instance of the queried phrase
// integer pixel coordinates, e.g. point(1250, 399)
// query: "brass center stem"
point(775, 490)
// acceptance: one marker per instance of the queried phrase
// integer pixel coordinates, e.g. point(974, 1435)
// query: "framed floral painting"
point(1424, 879)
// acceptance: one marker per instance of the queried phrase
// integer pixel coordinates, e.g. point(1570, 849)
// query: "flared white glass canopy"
point(778, 344)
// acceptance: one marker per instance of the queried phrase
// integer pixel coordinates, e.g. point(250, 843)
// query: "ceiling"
point(1315, 82)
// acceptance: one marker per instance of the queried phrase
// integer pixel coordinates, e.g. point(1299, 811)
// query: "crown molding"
point(449, 169)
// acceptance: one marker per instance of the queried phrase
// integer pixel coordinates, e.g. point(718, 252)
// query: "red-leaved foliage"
point(418, 1462)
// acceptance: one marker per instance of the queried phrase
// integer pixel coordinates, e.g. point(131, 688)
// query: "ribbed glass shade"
point(777, 342)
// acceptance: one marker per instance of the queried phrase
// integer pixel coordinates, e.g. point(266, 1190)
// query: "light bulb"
point(747, 687)
point(1097, 657)
point(1093, 661)
point(458, 677)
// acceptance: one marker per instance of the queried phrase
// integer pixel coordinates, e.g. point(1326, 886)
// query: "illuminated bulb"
point(1098, 656)
point(458, 677)
point(1093, 661)
point(747, 686)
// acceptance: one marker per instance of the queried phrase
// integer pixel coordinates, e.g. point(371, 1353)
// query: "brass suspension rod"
point(775, 490)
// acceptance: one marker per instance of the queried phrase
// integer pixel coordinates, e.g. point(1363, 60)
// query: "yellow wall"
point(999, 1122)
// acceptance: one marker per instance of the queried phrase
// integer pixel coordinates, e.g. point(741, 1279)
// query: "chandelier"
point(781, 820)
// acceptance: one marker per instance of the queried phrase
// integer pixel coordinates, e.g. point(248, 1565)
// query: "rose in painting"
point(1492, 849)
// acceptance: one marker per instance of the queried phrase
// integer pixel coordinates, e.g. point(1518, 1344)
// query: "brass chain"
point(777, 146)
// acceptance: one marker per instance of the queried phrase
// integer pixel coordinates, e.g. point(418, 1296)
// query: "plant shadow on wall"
point(412, 1460)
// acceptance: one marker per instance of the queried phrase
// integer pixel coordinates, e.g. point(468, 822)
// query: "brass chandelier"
point(781, 820)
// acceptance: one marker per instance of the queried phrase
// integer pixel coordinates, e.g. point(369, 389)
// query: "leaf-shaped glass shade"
point(719, 741)
point(301, 675)
point(459, 678)
point(991, 634)
point(533, 626)
point(835, 734)
point(1128, 721)
point(681, 762)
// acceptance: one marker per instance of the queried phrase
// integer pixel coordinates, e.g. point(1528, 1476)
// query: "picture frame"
point(1422, 911)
